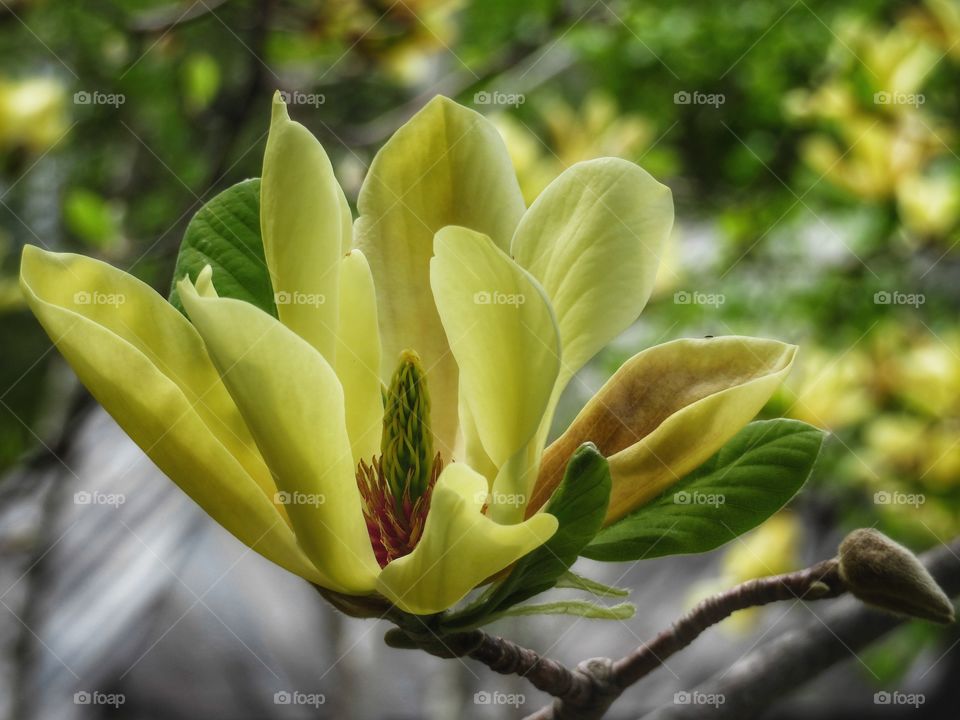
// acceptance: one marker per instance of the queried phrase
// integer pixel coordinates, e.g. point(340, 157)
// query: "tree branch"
point(778, 667)
point(588, 690)
point(818, 582)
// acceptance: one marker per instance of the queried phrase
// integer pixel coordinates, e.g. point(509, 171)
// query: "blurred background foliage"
point(811, 148)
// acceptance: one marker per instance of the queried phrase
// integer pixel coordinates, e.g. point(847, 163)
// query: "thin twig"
point(815, 583)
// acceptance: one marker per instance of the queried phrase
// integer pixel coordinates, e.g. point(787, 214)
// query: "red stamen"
point(395, 525)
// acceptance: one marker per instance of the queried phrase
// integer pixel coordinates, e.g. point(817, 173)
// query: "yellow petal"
point(292, 402)
point(460, 548)
point(593, 239)
point(666, 411)
point(301, 222)
point(135, 313)
point(358, 357)
point(128, 354)
point(446, 166)
point(346, 222)
point(504, 337)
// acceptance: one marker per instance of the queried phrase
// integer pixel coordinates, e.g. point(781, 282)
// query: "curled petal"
point(460, 548)
point(667, 410)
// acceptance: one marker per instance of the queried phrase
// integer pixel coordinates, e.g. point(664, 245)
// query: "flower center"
point(397, 485)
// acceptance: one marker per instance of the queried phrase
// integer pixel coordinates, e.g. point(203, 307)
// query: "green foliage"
point(743, 484)
point(225, 234)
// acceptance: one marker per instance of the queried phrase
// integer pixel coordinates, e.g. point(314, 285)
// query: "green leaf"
point(225, 234)
point(579, 504)
point(578, 582)
point(743, 484)
point(581, 608)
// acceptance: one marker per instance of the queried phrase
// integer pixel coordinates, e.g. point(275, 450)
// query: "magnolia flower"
point(472, 311)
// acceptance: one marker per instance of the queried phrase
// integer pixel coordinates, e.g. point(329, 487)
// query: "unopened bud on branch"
point(883, 573)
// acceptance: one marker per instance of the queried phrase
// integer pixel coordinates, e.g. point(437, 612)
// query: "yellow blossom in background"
point(403, 37)
point(872, 135)
point(928, 374)
point(929, 205)
point(571, 135)
point(831, 391)
point(32, 113)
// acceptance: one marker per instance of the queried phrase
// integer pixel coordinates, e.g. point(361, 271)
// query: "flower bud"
point(886, 575)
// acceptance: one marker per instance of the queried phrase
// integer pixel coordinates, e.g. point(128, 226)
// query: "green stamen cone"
point(407, 444)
